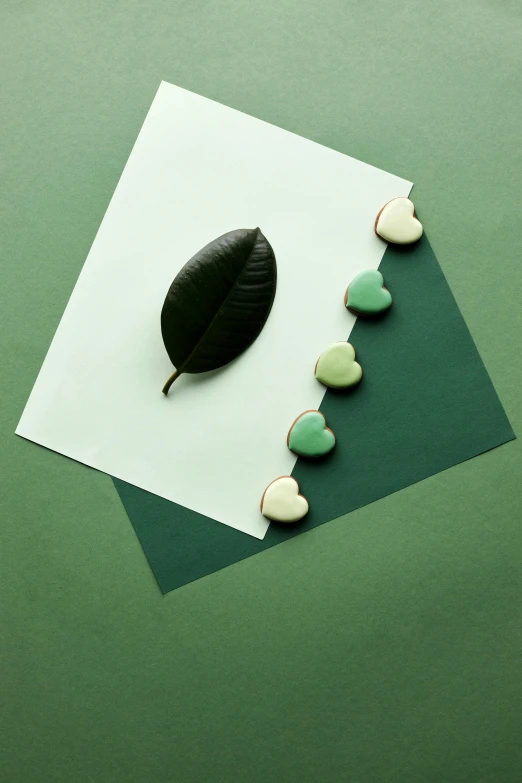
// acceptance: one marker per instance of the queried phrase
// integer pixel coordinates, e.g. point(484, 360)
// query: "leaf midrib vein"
point(221, 307)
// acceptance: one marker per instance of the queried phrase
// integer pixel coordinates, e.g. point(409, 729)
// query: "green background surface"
point(386, 649)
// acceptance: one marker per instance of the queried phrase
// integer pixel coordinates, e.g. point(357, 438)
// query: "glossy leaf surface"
point(219, 302)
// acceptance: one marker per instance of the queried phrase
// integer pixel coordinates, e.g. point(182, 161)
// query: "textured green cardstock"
point(425, 403)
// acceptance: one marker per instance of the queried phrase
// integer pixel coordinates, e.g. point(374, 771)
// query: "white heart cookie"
point(282, 502)
point(396, 222)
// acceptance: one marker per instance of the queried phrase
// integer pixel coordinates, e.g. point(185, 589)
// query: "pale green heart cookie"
point(366, 294)
point(337, 368)
point(309, 436)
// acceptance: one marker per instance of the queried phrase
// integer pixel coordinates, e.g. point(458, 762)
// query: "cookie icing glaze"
point(282, 502)
point(309, 436)
point(366, 294)
point(396, 222)
point(337, 368)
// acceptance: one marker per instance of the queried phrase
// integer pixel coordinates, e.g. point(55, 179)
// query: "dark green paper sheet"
point(425, 403)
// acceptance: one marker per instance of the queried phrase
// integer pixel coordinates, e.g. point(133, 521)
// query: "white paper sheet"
point(197, 170)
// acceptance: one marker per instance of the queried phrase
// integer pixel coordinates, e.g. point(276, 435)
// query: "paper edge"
point(169, 85)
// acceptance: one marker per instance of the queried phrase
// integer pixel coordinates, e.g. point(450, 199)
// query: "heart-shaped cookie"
point(282, 502)
point(337, 368)
point(396, 222)
point(366, 294)
point(309, 436)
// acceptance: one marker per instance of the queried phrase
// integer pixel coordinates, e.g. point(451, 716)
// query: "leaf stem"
point(170, 381)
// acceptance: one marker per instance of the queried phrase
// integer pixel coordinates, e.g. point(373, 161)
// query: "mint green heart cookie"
point(336, 366)
point(309, 436)
point(366, 294)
